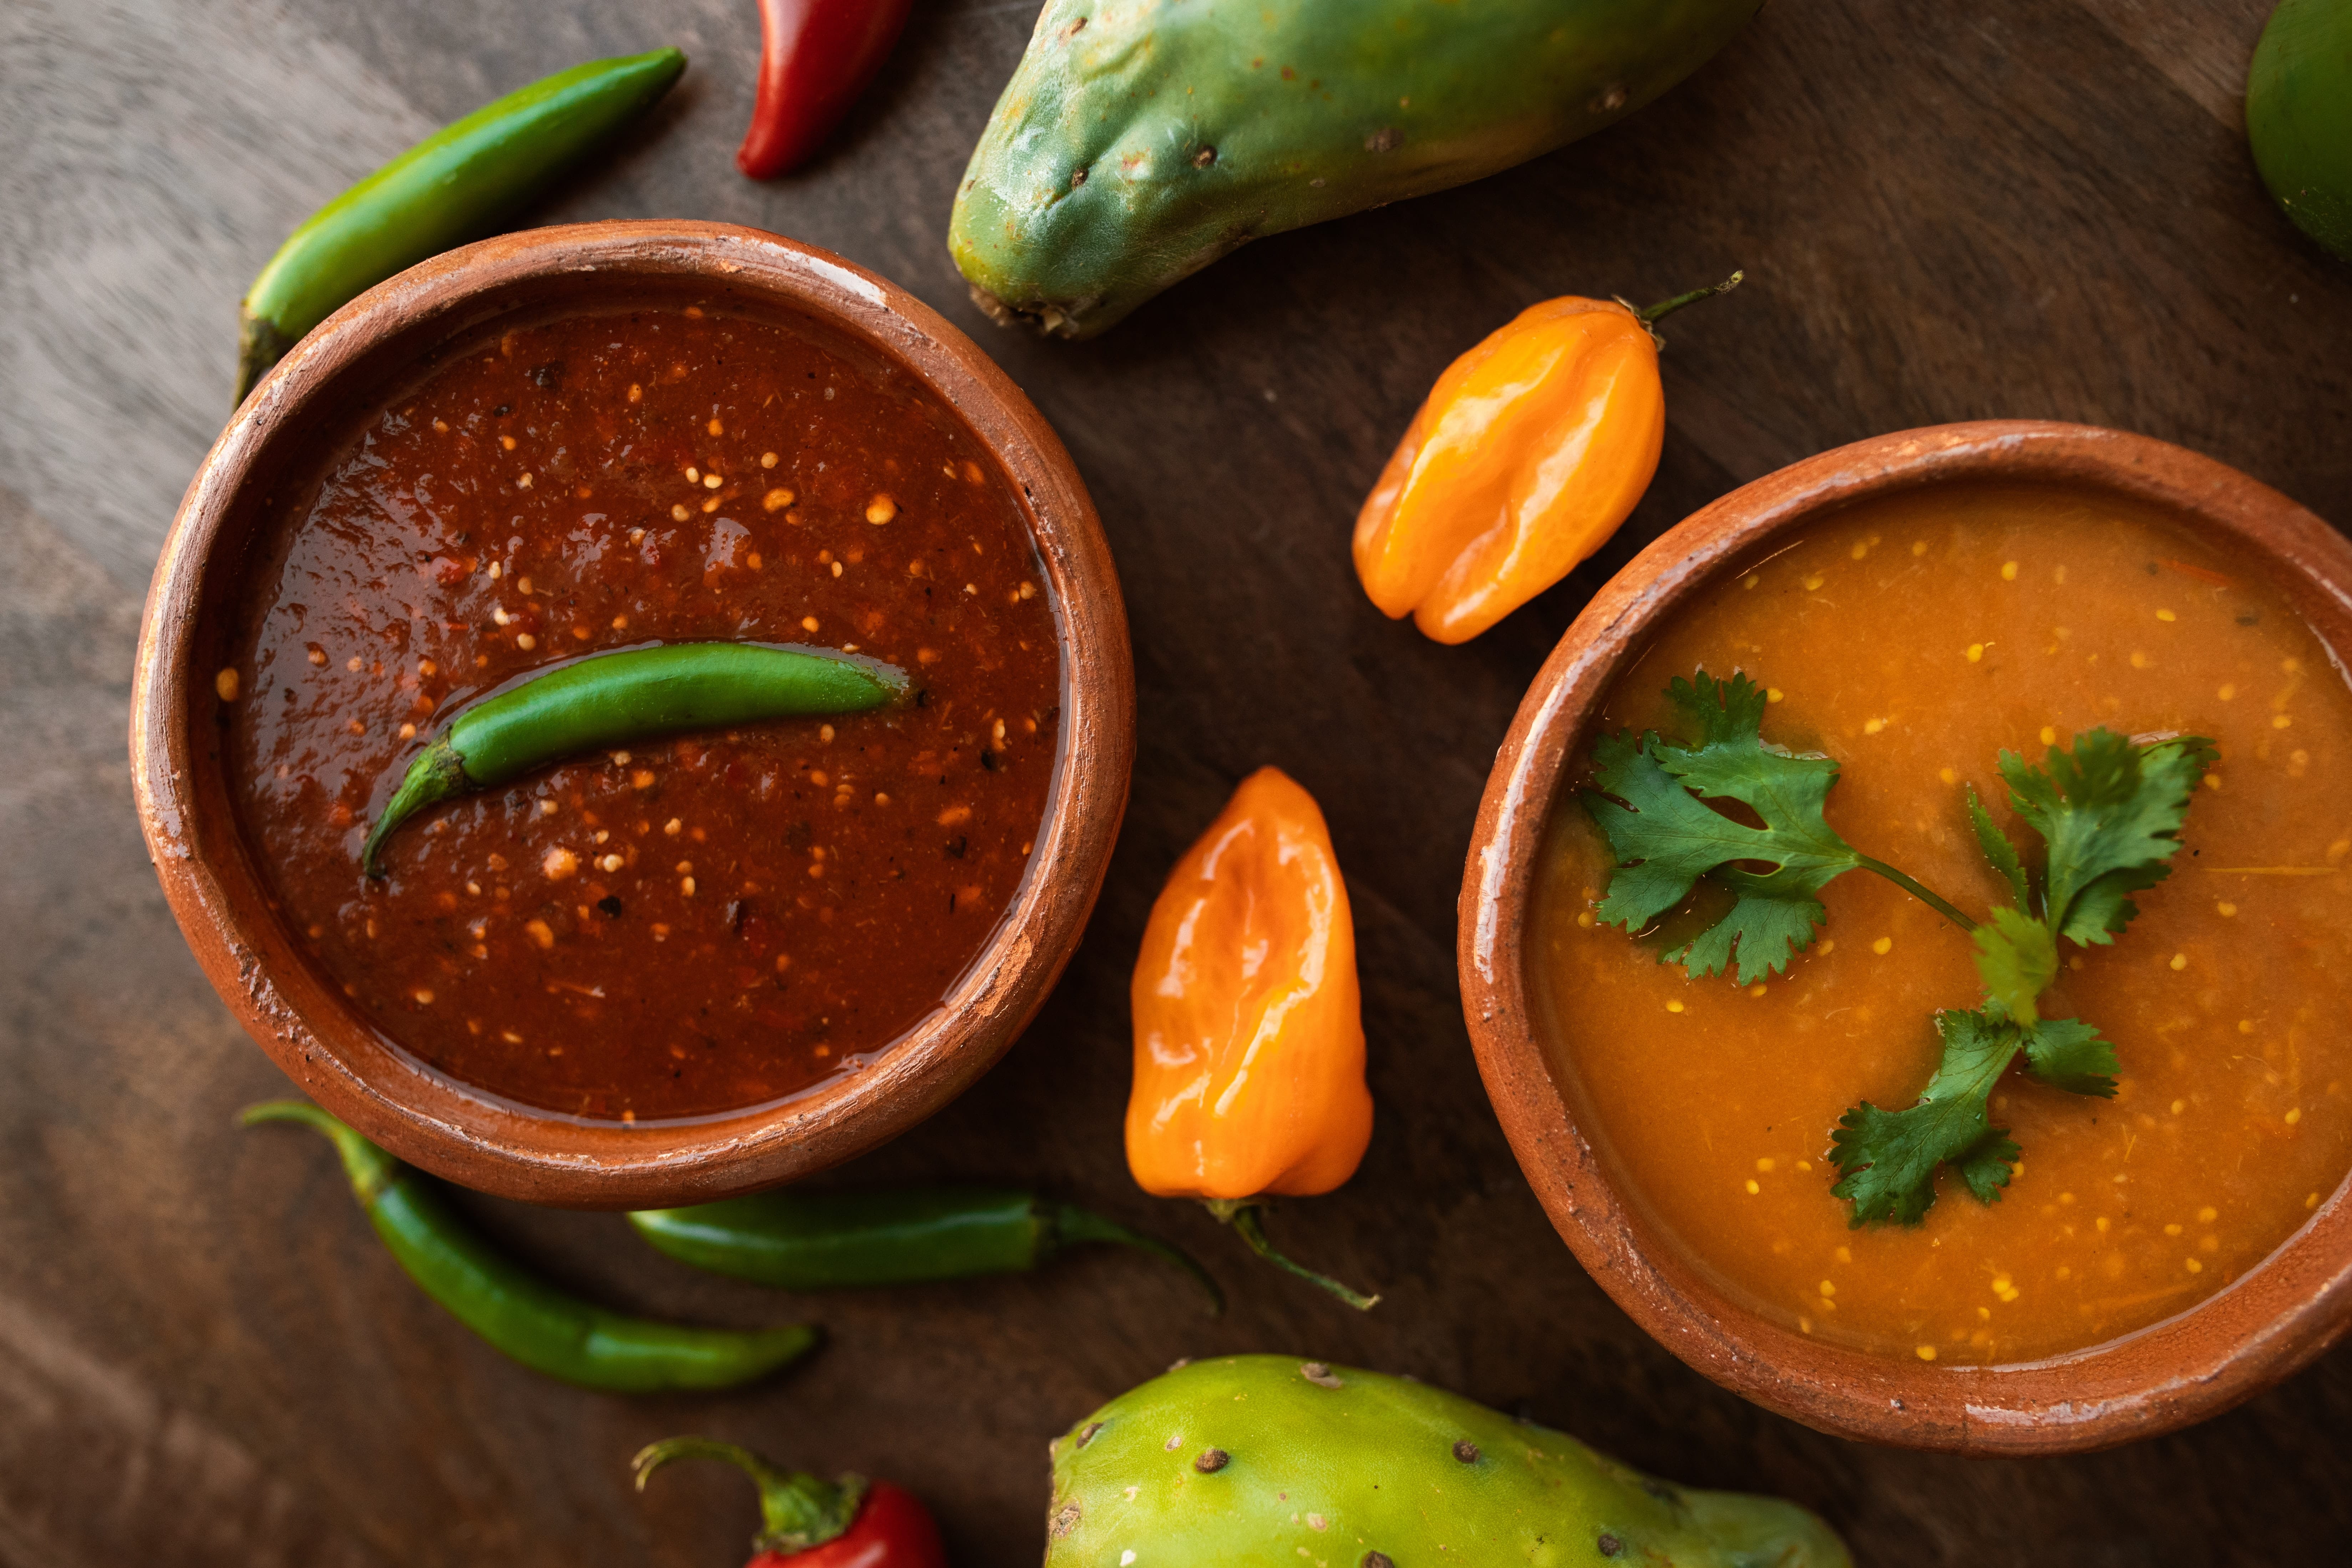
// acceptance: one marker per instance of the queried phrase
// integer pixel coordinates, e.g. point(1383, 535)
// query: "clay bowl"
point(2273, 1320)
point(303, 1023)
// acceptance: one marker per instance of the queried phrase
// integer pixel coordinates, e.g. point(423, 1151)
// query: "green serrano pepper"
point(824, 1241)
point(1135, 144)
point(611, 699)
point(453, 187)
point(519, 1313)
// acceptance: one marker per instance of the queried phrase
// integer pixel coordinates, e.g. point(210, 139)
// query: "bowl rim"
point(2271, 1322)
point(215, 892)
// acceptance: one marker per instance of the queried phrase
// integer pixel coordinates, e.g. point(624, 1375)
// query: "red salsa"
point(703, 923)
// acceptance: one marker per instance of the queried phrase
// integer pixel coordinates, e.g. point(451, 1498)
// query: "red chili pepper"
point(809, 1523)
point(816, 57)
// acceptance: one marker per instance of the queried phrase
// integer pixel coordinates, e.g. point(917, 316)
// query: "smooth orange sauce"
point(1913, 639)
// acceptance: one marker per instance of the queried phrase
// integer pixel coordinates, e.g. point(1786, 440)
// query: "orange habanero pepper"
point(1249, 1037)
point(1531, 451)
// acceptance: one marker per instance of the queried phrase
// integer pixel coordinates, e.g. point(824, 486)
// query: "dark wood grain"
point(2012, 207)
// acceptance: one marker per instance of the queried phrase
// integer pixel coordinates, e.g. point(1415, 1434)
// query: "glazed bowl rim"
point(281, 999)
point(2271, 1321)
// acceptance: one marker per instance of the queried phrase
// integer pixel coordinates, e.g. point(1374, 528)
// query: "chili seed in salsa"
point(711, 921)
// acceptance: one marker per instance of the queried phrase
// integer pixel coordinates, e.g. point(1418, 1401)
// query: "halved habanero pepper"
point(1249, 1035)
point(1531, 450)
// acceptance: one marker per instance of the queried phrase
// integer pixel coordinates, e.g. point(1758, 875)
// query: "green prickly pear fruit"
point(1140, 141)
point(1262, 1461)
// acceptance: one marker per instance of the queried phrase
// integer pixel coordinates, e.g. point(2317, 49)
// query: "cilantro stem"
point(1919, 891)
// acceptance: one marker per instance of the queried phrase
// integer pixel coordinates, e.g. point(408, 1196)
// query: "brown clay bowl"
point(2273, 1320)
point(303, 1023)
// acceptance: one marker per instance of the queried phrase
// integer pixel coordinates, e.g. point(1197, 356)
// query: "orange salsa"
point(1913, 639)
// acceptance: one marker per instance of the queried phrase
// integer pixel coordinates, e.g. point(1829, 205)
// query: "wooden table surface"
point(1996, 207)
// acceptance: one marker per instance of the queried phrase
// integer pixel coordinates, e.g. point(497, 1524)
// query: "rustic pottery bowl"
point(2273, 1320)
point(304, 1023)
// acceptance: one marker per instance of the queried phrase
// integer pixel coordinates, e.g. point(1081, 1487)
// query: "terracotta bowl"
point(2273, 1320)
point(304, 1023)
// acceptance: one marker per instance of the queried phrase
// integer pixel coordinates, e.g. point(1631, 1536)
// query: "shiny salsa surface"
point(1913, 639)
point(705, 921)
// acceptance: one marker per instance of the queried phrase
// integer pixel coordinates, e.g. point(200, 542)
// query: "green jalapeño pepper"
point(453, 187)
point(522, 1315)
point(1137, 143)
point(824, 1241)
point(611, 699)
point(1263, 1461)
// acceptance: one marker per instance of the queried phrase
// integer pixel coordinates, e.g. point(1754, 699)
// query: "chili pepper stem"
point(1920, 891)
point(1242, 1214)
point(1664, 308)
point(797, 1510)
point(370, 1169)
point(1072, 1224)
point(437, 774)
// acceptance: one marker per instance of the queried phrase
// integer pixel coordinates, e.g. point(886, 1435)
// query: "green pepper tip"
point(437, 774)
point(260, 344)
point(457, 185)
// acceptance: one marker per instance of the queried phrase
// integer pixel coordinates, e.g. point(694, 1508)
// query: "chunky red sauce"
point(703, 923)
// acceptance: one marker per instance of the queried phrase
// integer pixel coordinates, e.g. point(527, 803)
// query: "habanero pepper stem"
point(816, 57)
point(1249, 1071)
point(1531, 450)
point(1664, 308)
point(457, 184)
point(824, 1241)
point(813, 1523)
point(1243, 1214)
point(517, 1312)
point(612, 698)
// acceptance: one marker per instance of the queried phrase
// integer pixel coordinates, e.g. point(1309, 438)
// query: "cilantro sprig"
point(1649, 797)
point(2108, 813)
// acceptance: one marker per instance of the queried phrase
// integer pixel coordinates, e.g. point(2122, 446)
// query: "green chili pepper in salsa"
point(453, 187)
point(824, 1241)
point(522, 1315)
point(609, 699)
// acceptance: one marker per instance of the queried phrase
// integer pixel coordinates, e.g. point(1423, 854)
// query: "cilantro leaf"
point(2068, 1054)
point(2101, 910)
point(1985, 1165)
point(1646, 799)
point(2109, 813)
point(2017, 958)
point(1887, 1159)
point(1999, 851)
